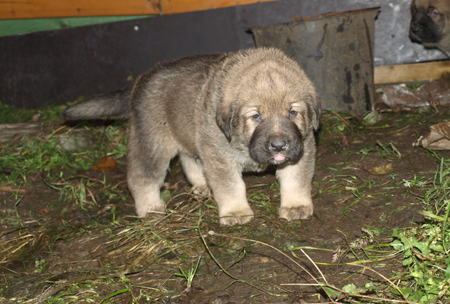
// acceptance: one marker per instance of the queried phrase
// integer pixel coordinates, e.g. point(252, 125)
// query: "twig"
point(342, 118)
point(270, 246)
point(326, 283)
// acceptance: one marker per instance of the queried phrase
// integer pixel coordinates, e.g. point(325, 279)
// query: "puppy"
point(223, 115)
point(430, 24)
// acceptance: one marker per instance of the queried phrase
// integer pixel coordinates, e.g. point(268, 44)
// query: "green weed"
point(190, 274)
point(77, 192)
point(415, 182)
point(40, 265)
point(424, 249)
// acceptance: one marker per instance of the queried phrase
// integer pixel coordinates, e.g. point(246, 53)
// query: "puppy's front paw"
point(145, 208)
point(296, 213)
point(234, 218)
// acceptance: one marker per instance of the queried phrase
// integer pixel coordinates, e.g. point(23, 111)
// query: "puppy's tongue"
point(279, 157)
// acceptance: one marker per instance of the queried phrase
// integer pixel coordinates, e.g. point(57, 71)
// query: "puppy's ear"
point(224, 118)
point(315, 110)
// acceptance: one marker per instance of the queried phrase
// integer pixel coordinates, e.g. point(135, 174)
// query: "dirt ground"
point(366, 183)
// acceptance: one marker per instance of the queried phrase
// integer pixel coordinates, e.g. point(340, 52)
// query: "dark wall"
point(62, 65)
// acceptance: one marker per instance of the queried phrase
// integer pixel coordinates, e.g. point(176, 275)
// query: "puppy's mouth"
point(278, 159)
point(414, 38)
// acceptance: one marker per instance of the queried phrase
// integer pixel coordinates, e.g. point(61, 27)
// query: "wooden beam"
point(25, 9)
point(22, 9)
point(414, 72)
point(182, 6)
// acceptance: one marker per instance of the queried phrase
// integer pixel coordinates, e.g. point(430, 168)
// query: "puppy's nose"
point(416, 28)
point(278, 144)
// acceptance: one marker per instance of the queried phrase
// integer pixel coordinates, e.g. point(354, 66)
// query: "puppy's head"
point(276, 130)
point(268, 105)
point(429, 23)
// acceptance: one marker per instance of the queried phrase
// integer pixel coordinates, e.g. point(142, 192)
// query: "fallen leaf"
point(44, 210)
point(36, 117)
point(382, 169)
point(105, 164)
point(442, 128)
point(260, 259)
point(438, 138)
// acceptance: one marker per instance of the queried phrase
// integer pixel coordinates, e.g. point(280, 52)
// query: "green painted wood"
point(25, 26)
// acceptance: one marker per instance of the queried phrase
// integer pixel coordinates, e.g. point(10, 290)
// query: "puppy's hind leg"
point(148, 162)
point(193, 169)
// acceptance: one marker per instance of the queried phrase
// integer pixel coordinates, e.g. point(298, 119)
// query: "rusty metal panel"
point(336, 51)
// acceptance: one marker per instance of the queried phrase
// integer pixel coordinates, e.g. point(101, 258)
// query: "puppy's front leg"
point(295, 184)
point(229, 191)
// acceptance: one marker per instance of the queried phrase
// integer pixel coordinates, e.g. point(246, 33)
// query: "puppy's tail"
point(114, 105)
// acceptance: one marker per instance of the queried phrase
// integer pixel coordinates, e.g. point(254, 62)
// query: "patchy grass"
point(69, 235)
point(425, 248)
point(50, 113)
point(48, 155)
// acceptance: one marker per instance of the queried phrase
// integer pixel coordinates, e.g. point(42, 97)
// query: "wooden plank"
point(25, 26)
point(182, 6)
point(8, 131)
point(414, 72)
point(25, 9)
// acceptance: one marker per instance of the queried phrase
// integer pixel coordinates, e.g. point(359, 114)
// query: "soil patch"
point(74, 238)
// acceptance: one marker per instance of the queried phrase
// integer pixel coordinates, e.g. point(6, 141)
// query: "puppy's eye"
point(257, 117)
point(433, 13)
point(292, 114)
